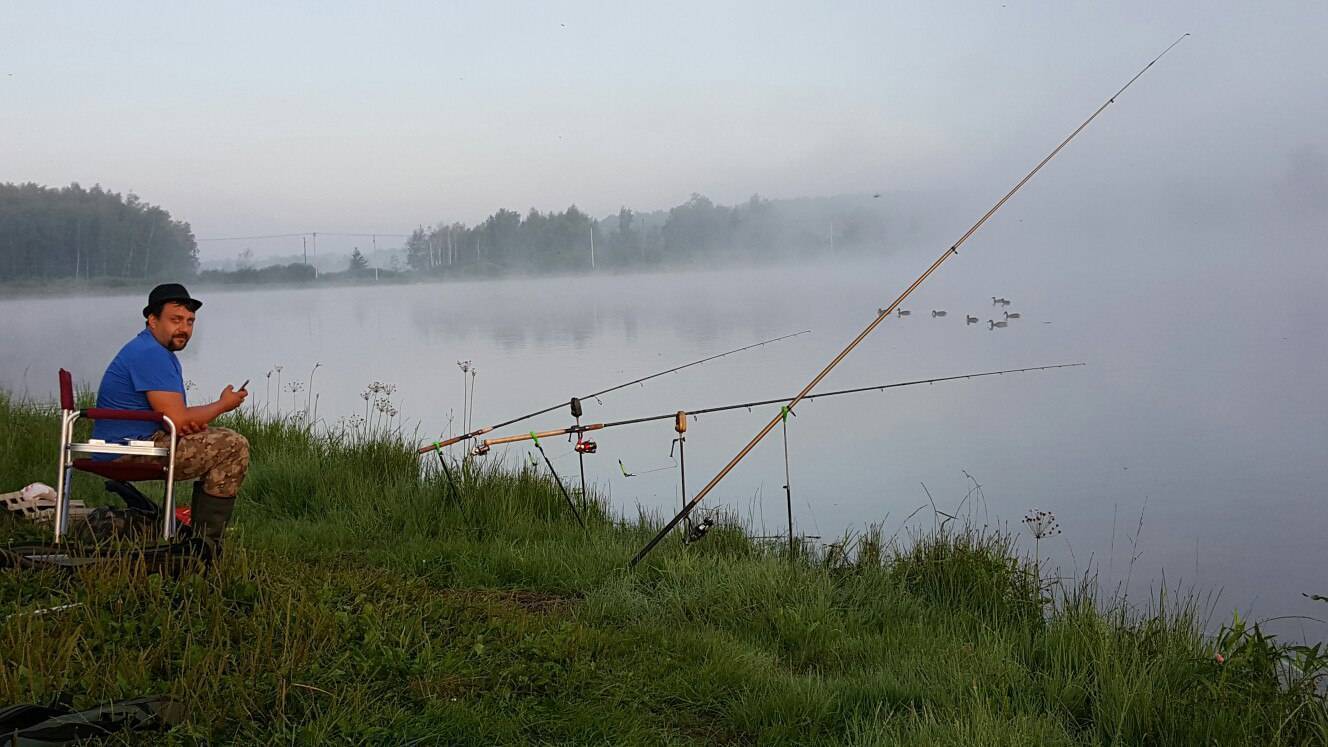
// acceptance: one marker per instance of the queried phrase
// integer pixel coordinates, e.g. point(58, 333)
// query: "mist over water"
point(1201, 409)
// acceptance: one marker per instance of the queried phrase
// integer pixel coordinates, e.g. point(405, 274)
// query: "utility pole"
point(304, 242)
point(592, 245)
point(315, 255)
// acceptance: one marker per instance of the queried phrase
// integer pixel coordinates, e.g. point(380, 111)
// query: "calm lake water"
point(1193, 441)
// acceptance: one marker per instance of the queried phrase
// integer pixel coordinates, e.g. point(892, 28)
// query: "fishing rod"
point(883, 313)
point(484, 446)
point(481, 431)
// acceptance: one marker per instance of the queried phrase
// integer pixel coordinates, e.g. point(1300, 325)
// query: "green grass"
point(358, 603)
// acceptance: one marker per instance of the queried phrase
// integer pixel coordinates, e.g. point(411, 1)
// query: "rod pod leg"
point(456, 491)
point(680, 427)
point(561, 487)
point(788, 490)
point(580, 455)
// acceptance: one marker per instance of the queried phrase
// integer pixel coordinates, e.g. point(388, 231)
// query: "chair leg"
point(63, 478)
point(168, 528)
point(168, 505)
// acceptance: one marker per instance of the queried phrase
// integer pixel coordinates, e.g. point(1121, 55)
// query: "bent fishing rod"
point(484, 445)
point(881, 315)
point(481, 431)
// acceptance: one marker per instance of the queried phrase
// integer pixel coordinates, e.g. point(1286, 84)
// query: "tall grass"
point(362, 600)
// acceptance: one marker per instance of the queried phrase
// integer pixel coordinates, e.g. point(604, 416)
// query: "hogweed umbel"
point(1041, 524)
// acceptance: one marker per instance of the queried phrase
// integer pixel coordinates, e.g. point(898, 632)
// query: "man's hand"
point(231, 398)
point(189, 428)
point(190, 420)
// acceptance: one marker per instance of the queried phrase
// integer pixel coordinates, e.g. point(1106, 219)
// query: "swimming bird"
point(903, 312)
point(935, 313)
point(992, 324)
point(1009, 316)
point(1000, 301)
point(970, 319)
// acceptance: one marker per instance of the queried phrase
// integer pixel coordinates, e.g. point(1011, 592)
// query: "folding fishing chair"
point(75, 456)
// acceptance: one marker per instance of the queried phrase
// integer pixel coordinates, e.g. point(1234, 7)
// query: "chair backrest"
point(66, 390)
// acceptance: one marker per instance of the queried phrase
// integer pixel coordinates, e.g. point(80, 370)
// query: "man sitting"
point(146, 375)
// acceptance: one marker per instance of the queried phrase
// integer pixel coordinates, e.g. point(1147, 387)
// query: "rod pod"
point(476, 433)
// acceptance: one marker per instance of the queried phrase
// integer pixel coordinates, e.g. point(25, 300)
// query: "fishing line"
point(625, 473)
point(883, 314)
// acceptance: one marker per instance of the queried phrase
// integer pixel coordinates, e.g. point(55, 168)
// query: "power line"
point(306, 233)
point(254, 238)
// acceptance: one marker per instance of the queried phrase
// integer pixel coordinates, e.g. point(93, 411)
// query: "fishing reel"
point(586, 447)
point(480, 450)
point(698, 530)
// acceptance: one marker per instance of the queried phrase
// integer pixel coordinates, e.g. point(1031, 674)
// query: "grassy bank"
point(358, 603)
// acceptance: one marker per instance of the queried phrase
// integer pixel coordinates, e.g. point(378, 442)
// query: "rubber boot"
point(210, 514)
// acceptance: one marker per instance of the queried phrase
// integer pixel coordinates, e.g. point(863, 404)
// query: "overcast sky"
point(290, 117)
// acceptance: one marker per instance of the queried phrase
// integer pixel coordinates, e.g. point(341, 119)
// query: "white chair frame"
point(65, 470)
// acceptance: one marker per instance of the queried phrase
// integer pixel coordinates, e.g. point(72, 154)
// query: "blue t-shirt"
point(143, 365)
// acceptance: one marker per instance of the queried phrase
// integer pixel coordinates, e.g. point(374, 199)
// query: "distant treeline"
point(293, 273)
point(72, 232)
point(696, 230)
point(296, 272)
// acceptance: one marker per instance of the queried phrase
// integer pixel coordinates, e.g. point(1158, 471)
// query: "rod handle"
point(449, 441)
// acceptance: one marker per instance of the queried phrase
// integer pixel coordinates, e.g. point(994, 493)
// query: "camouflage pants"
point(217, 456)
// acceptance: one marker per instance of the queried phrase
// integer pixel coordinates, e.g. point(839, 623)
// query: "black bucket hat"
point(170, 292)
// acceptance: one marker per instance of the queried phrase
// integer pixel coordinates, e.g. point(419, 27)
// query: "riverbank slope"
point(361, 601)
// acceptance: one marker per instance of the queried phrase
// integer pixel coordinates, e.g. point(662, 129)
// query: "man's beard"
point(178, 343)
